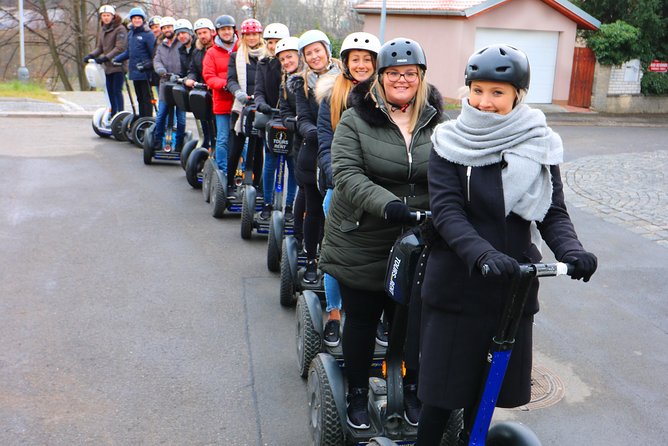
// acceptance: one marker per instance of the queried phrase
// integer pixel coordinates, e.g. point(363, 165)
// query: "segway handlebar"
point(538, 269)
point(420, 216)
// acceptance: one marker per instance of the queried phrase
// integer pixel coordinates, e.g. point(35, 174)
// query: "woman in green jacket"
point(379, 155)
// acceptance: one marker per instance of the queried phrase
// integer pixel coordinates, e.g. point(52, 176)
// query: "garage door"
point(540, 46)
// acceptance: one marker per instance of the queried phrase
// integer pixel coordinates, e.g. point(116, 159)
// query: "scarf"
point(240, 64)
point(521, 138)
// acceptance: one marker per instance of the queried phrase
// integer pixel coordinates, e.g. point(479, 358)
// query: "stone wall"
point(614, 92)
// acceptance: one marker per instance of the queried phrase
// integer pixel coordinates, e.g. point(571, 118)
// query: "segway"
point(167, 151)
point(121, 122)
point(254, 126)
point(293, 266)
point(201, 105)
point(326, 390)
point(141, 126)
point(102, 117)
point(498, 358)
point(279, 142)
point(182, 100)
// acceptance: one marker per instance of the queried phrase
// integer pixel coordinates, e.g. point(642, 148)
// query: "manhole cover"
point(546, 389)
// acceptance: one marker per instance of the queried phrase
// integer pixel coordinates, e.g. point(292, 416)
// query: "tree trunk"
point(53, 46)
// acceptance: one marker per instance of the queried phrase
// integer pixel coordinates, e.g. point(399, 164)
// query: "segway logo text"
point(395, 271)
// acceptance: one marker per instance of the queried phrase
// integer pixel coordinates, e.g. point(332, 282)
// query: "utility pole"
point(383, 15)
point(23, 72)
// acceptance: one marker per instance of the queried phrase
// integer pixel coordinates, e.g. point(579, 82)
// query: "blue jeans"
point(161, 123)
point(115, 83)
point(269, 178)
point(222, 141)
point(332, 289)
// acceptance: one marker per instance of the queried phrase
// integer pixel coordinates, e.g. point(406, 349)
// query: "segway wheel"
point(273, 251)
point(98, 132)
point(511, 433)
point(148, 136)
point(324, 421)
point(117, 126)
point(247, 210)
point(218, 197)
point(207, 174)
point(140, 129)
point(454, 428)
point(287, 290)
point(148, 153)
point(188, 148)
point(195, 167)
point(127, 126)
point(309, 342)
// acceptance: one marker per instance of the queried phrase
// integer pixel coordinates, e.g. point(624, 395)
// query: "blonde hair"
point(307, 70)
point(343, 85)
point(245, 48)
point(421, 97)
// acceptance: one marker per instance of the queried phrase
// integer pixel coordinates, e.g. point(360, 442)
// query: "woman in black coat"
point(495, 190)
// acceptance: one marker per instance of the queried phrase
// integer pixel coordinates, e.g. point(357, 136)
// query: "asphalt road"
point(128, 315)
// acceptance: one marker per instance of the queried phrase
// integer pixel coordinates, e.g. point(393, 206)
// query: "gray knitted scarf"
point(521, 138)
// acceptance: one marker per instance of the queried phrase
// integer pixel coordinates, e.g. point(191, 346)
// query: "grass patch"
point(28, 90)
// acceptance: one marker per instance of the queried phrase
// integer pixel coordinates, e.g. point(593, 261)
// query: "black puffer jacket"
point(267, 82)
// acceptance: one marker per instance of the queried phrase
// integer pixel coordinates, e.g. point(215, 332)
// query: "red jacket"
point(214, 72)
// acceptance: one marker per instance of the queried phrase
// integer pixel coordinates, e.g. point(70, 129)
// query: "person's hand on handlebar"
point(190, 83)
point(265, 108)
point(101, 60)
point(584, 264)
point(496, 263)
point(241, 96)
point(398, 212)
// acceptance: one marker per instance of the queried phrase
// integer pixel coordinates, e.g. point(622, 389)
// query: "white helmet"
point(360, 41)
point(276, 31)
point(204, 23)
point(167, 21)
point(289, 43)
point(312, 36)
point(107, 8)
point(182, 25)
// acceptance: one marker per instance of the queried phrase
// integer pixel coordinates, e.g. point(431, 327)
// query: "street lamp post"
point(383, 16)
point(23, 72)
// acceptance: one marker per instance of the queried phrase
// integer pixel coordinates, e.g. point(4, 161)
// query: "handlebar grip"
point(420, 216)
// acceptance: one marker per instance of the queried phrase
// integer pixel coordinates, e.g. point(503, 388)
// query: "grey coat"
point(167, 60)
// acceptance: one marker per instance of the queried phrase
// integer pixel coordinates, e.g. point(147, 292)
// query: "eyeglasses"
point(394, 76)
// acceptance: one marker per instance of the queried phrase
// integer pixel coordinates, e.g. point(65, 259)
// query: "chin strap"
point(395, 107)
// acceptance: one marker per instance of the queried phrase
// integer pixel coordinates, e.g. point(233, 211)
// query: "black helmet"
point(401, 51)
point(225, 20)
point(501, 63)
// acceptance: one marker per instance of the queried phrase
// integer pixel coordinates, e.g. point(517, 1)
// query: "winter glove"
point(102, 59)
point(398, 212)
point(161, 72)
point(265, 108)
point(140, 67)
point(290, 124)
point(498, 264)
point(241, 96)
point(87, 57)
point(584, 264)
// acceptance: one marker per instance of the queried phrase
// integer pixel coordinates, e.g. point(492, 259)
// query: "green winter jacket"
point(372, 167)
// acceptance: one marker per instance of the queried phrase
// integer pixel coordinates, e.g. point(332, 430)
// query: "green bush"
point(654, 84)
point(615, 43)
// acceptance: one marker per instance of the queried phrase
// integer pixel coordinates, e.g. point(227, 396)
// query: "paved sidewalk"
point(84, 103)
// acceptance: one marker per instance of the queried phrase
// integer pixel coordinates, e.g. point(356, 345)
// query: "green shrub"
point(615, 43)
point(654, 84)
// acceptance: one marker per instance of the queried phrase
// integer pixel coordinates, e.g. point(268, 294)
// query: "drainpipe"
point(383, 14)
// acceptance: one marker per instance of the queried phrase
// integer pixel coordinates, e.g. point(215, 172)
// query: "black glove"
point(140, 67)
point(398, 212)
point(87, 57)
point(498, 264)
point(102, 59)
point(290, 125)
point(584, 264)
point(265, 108)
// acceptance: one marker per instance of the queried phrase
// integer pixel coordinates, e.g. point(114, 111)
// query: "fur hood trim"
point(324, 87)
point(371, 112)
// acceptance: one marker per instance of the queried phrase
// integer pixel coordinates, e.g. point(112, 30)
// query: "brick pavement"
point(629, 189)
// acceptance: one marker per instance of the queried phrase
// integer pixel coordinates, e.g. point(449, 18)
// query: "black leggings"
point(299, 209)
point(313, 221)
point(363, 309)
point(237, 142)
